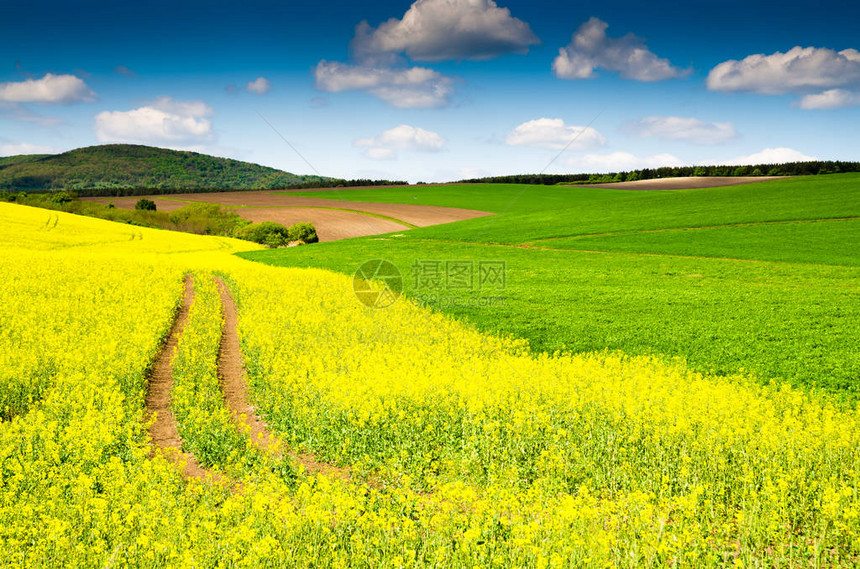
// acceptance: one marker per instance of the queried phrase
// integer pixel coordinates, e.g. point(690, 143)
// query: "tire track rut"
point(162, 430)
point(231, 372)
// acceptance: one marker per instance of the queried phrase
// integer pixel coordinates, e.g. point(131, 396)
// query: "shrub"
point(61, 198)
point(303, 232)
point(274, 234)
point(144, 204)
point(266, 233)
point(206, 218)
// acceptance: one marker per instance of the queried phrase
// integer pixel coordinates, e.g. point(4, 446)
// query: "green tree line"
point(812, 168)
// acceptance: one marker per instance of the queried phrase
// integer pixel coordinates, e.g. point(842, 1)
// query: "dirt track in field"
point(333, 219)
point(163, 431)
point(684, 183)
point(231, 372)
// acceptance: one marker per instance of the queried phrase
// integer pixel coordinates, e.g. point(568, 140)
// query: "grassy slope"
point(511, 198)
point(789, 320)
point(126, 165)
point(833, 242)
point(543, 212)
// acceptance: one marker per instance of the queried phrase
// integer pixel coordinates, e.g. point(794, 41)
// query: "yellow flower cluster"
point(465, 449)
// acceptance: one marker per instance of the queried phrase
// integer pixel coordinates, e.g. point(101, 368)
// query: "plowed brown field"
point(685, 183)
point(333, 219)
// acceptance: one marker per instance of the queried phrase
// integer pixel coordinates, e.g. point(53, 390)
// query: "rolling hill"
point(123, 166)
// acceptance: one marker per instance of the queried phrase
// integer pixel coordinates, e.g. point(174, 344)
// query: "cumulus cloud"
point(410, 87)
point(770, 156)
point(799, 69)
point(380, 153)
point(49, 89)
point(163, 121)
point(402, 137)
point(590, 49)
point(259, 86)
point(555, 135)
point(684, 129)
point(622, 161)
point(431, 30)
point(15, 148)
point(437, 30)
point(830, 99)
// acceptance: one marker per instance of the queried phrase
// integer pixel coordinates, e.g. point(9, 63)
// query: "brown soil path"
point(163, 431)
point(231, 372)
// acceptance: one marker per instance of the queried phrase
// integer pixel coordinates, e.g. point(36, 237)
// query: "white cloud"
point(622, 161)
point(770, 156)
point(49, 89)
point(797, 70)
point(590, 49)
point(684, 129)
point(402, 137)
point(123, 70)
point(431, 30)
point(15, 148)
point(380, 153)
point(555, 135)
point(437, 30)
point(411, 87)
point(830, 99)
point(163, 121)
point(185, 108)
point(259, 86)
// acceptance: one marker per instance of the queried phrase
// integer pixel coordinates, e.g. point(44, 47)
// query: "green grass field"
point(513, 198)
point(831, 242)
point(542, 212)
point(762, 278)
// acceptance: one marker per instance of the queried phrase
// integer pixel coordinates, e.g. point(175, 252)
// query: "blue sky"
point(437, 90)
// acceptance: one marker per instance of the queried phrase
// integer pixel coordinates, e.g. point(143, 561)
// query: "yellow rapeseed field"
point(463, 449)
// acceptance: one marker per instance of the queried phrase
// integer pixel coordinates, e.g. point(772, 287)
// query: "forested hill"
point(117, 166)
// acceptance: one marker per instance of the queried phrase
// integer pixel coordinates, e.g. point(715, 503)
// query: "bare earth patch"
point(684, 183)
point(333, 219)
point(330, 224)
